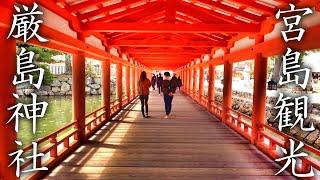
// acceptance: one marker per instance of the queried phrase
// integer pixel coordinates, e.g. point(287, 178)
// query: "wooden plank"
point(191, 144)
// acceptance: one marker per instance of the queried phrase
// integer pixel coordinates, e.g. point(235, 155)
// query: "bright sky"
point(313, 60)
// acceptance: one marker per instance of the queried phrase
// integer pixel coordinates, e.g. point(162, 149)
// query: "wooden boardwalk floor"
point(192, 144)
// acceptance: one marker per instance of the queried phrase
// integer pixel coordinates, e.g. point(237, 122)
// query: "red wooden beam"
point(151, 16)
point(259, 7)
point(105, 10)
point(232, 10)
point(167, 43)
point(131, 11)
point(151, 12)
point(84, 4)
point(187, 18)
point(171, 28)
point(163, 56)
point(52, 6)
point(131, 50)
point(170, 11)
point(188, 7)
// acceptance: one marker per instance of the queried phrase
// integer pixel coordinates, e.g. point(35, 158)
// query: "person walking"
point(168, 88)
point(159, 83)
point(174, 79)
point(154, 81)
point(179, 83)
point(143, 90)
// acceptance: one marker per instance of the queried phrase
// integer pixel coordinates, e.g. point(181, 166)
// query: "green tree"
point(47, 77)
point(42, 54)
point(89, 71)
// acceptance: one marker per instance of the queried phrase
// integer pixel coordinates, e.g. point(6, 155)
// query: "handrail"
point(47, 137)
point(90, 114)
point(52, 142)
point(267, 142)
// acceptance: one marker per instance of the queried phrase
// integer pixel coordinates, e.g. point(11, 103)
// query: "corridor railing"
point(270, 140)
point(61, 143)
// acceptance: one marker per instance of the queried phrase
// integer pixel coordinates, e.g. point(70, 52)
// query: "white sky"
point(313, 61)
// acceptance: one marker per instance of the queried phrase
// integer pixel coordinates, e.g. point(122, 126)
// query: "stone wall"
point(62, 86)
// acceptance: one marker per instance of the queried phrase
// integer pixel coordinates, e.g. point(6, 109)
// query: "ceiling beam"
point(171, 28)
point(130, 11)
point(167, 43)
point(131, 50)
point(104, 10)
point(189, 7)
point(163, 56)
point(233, 11)
point(170, 11)
point(84, 4)
point(259, 7)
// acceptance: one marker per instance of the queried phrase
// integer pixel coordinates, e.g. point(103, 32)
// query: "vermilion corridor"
point(206, 138)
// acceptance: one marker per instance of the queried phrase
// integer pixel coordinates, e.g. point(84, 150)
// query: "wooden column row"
point(259, 92)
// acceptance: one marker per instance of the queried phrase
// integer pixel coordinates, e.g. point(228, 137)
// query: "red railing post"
point(78, 90)
point(7, 72)
point(259, 93)
point(66, 143)
point(54, 149)
point(227, 90)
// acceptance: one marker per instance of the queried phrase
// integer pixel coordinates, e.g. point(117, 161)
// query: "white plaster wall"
point(206, 57)
point(95, 42)
point(124, 57)
point(198, 60)
point(242, 44)
point(56, 22)
point(276, 31)
point(219, 53)
point(114, 51)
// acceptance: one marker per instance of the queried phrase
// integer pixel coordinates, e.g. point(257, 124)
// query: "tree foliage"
point(42, 54)
point(47, 77)
point(90, 71)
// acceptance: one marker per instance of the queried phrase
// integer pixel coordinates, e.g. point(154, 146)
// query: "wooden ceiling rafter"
point(163, 28)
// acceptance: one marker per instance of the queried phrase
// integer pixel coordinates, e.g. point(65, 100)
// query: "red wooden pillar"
point(128, 82)
point(227, 89)
point(8, 61)
point(134, 79)
point(190, 81)
point(194, 76)
point(211, 92)
point(183, 79)
point(201, 82)
point(259, 94)
point(106, 87)
point(186, 80)
point(78, 91)
point(119, 84)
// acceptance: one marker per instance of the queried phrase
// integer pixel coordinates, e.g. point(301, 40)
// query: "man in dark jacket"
point(168, 89)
